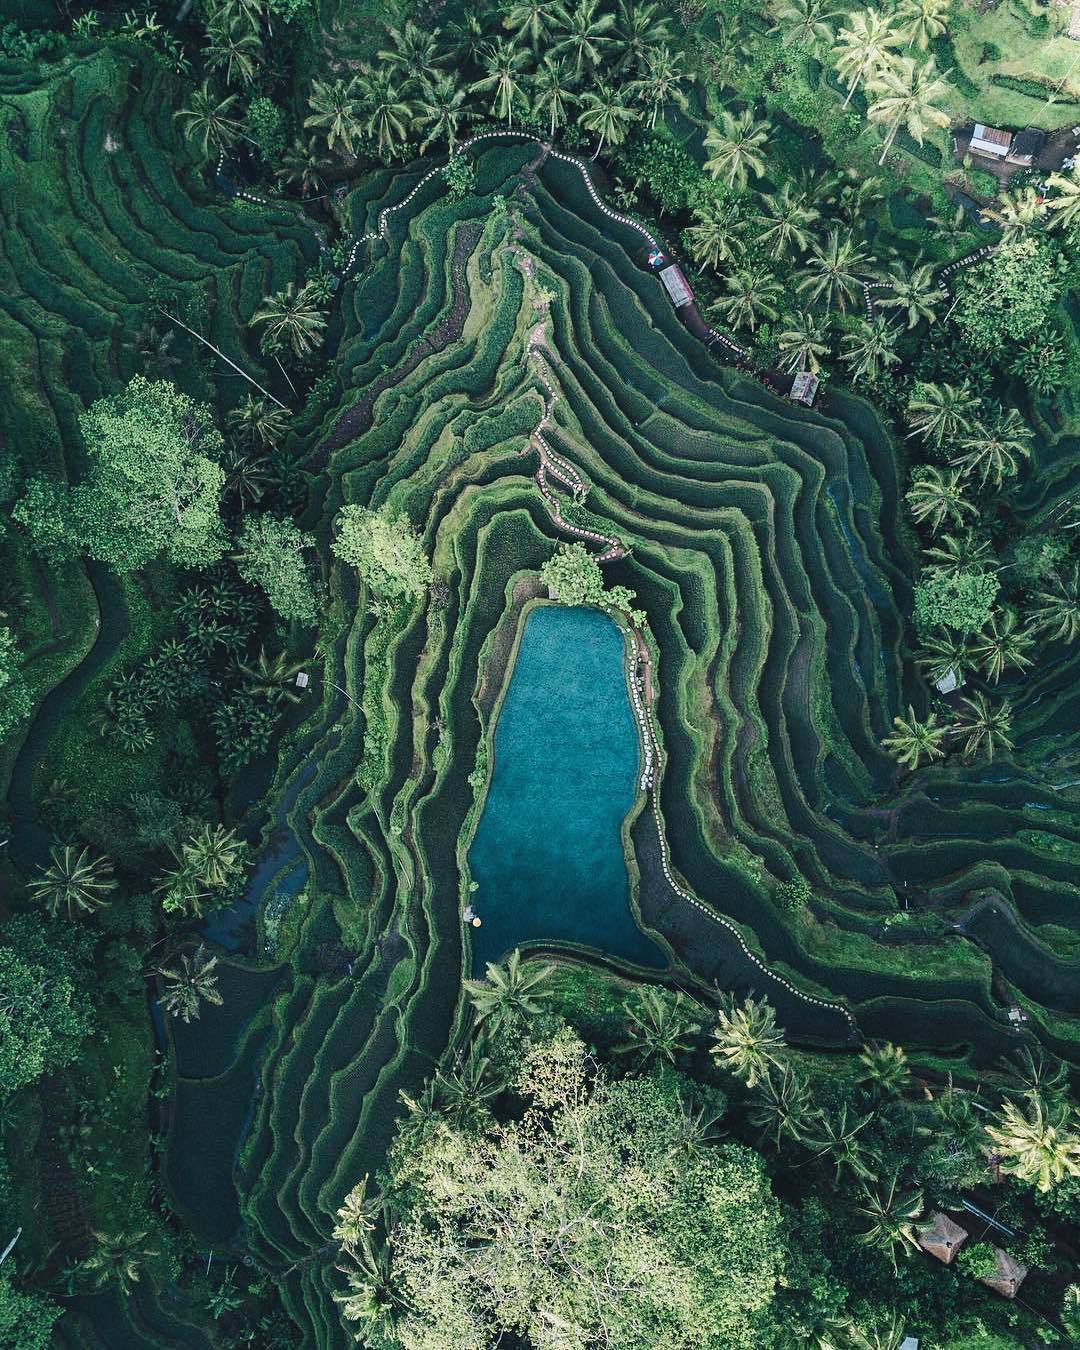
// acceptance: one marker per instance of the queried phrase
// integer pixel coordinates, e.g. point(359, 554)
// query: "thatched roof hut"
point(942, 1238)
point(1008, 1275)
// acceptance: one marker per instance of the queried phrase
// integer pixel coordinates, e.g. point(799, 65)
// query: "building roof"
point(941, 1237)
point(1009, 1275)
point(804, 387)
point(676, 286)
point(990, 140)
point(952, 679)
point(1027, 144)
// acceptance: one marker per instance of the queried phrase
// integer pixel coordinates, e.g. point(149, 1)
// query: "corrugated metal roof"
point(676, 285)
point(991, 139)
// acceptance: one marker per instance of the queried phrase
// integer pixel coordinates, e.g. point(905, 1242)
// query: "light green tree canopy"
point(26, 1317)
point(272, 557)
point(15, 700)
point(154, 485)
point(384, 549)
point(573, 577)
point(960, 599)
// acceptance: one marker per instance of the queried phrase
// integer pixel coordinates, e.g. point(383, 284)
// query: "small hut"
point(804, 388)
point(1027, 146)
point(992, 141)
point(950, 681)
point(676, 285)
point(942, 1238)
point(1008, 1275)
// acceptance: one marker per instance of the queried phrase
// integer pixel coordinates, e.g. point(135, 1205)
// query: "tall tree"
point(388, 112)
point(752, 296)
point(258, 422)
point(782, 1106)
point(921, 21)
point(186, 986)
point(807, 23)
point(1037, 1143)
point(805, 341)
point(234, 50)
point(1065, 199)
point(660, 1025)
point(531, 20)
point(385, 551)
point(439, 108)
point(1056, 608)
point(118, 1258)
point(734, 147)
point(941, 413)
point(984, 726)
point(606, 112)
point(936, 498)
point(271, 556)
point(839, 1139)
point(552, 88)
point(748, 1041)
point(870, 348)
point(583, 33)
point(75, 882)
point(906, 94)
point(335, 109)
point(883, 1069)
point(502, 79)
point(916, 292)
point(913, 739)
point(660, 82)
point(642, 29)
point(891, 1213)
point(290, 318)
point(863, 47)
point(993, 450)
point(831, 271)
point(509, 994)
point(210, 122)
point(787, 219)
point(1002, 645)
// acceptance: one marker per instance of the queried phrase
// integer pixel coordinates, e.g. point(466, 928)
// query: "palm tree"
point(884, 1069)
point(956, 551)
point(993, 450)
point(245, 477)
point(356, 1218)
point(851, 195)
point(234, 49)
point(502, 63)
point(660, 82)
point(692, 1131)
point(912, 739)
point(303, 163)
point(805, 341)
point(531, 19)
point(510, 993)
point(1037, 1074)
point(439, 106)
point(1017, 212)
point(748, 1041)
point(335, 110)
point(753, 296)
point(1002, 644)
point(870, 348)
point(734, 147)
point(1056, 610)
point(641, 30)
point(75, 882)
point(984, 725)
point(890, 1336)
point(270, 677)
point(787, 219)
point(465, 1089)
point(552, 92)
point(830, 274)
point(373, 1296)
point(585, 34)
point(915, 291)
point(944, 654)
point(891, 1215)
point(781, 1108)
point(291, 316)
point(806, 23)
point(661, 1025)
point(1038, 1144)
point(936, 497)
point(863, 47)
point(117, 1258)
point(941, 413)
point(411, 51)
point(906, 94)
point(922, 21)
point(1066, 202)
point(388, 114)
point(839, 1139)
point(186, 986)
point(605, 113)
point(208, 121)
point(259, 421)
point(214, 854)
point(711, 239)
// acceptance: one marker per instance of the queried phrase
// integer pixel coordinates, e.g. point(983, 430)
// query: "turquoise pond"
point(547, 855)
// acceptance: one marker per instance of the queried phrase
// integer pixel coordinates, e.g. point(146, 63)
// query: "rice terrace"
point(540, 702)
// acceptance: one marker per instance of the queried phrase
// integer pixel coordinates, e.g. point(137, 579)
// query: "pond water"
point(547, 855)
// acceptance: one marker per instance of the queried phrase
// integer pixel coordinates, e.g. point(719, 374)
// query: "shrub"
point(266, 127)
point(977, 1261)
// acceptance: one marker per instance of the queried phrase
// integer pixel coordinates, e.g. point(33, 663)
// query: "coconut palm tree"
point(913, 739)
point(787, 219)
point(661, 1025)
point(752, 297)
point(941, 413)
point(916, 292)
point(439, 107)
point(465, 1088)
point(411, 51)
point(804, 341)
point(806, 23)
point(839, 1140)
point(356, 1218)
point(692, 1132)
point(870, 348)
point(1065, 201)
point(234, 50)
point(1001, 645)
point(388, 113)
point(303, 163)
point(1056, 610)
point(863, 47)
point(552, 92)
point(883, 1069)
point(1037, 1074)
point(117, 1259)
point(270, 677)
point(259, 422)
point(208, 121)
point(955, 551)
point(641, 30)
point(748, 1041)
point(510, 993)
point(582, 33)
point(781, 1107)
point(531, 20)
point(936, 498)
point(891, 1213)
point(660, 82)
point(74, 882)
point(985, 726)
point(734, 147)
point(291, 316)
point(215, 855)
point(889, 1336)
point(993, 450)
point(606, 113)
point(1016, 212)
point(245, 476)
point(1037, 1143)
point(336, 110)
point(373, 1297)
point(188, 985)
point(906, 94)
point(942, 655)
point(921, 21)
point(830, 274)
point(502, 78)
point(850, 194)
